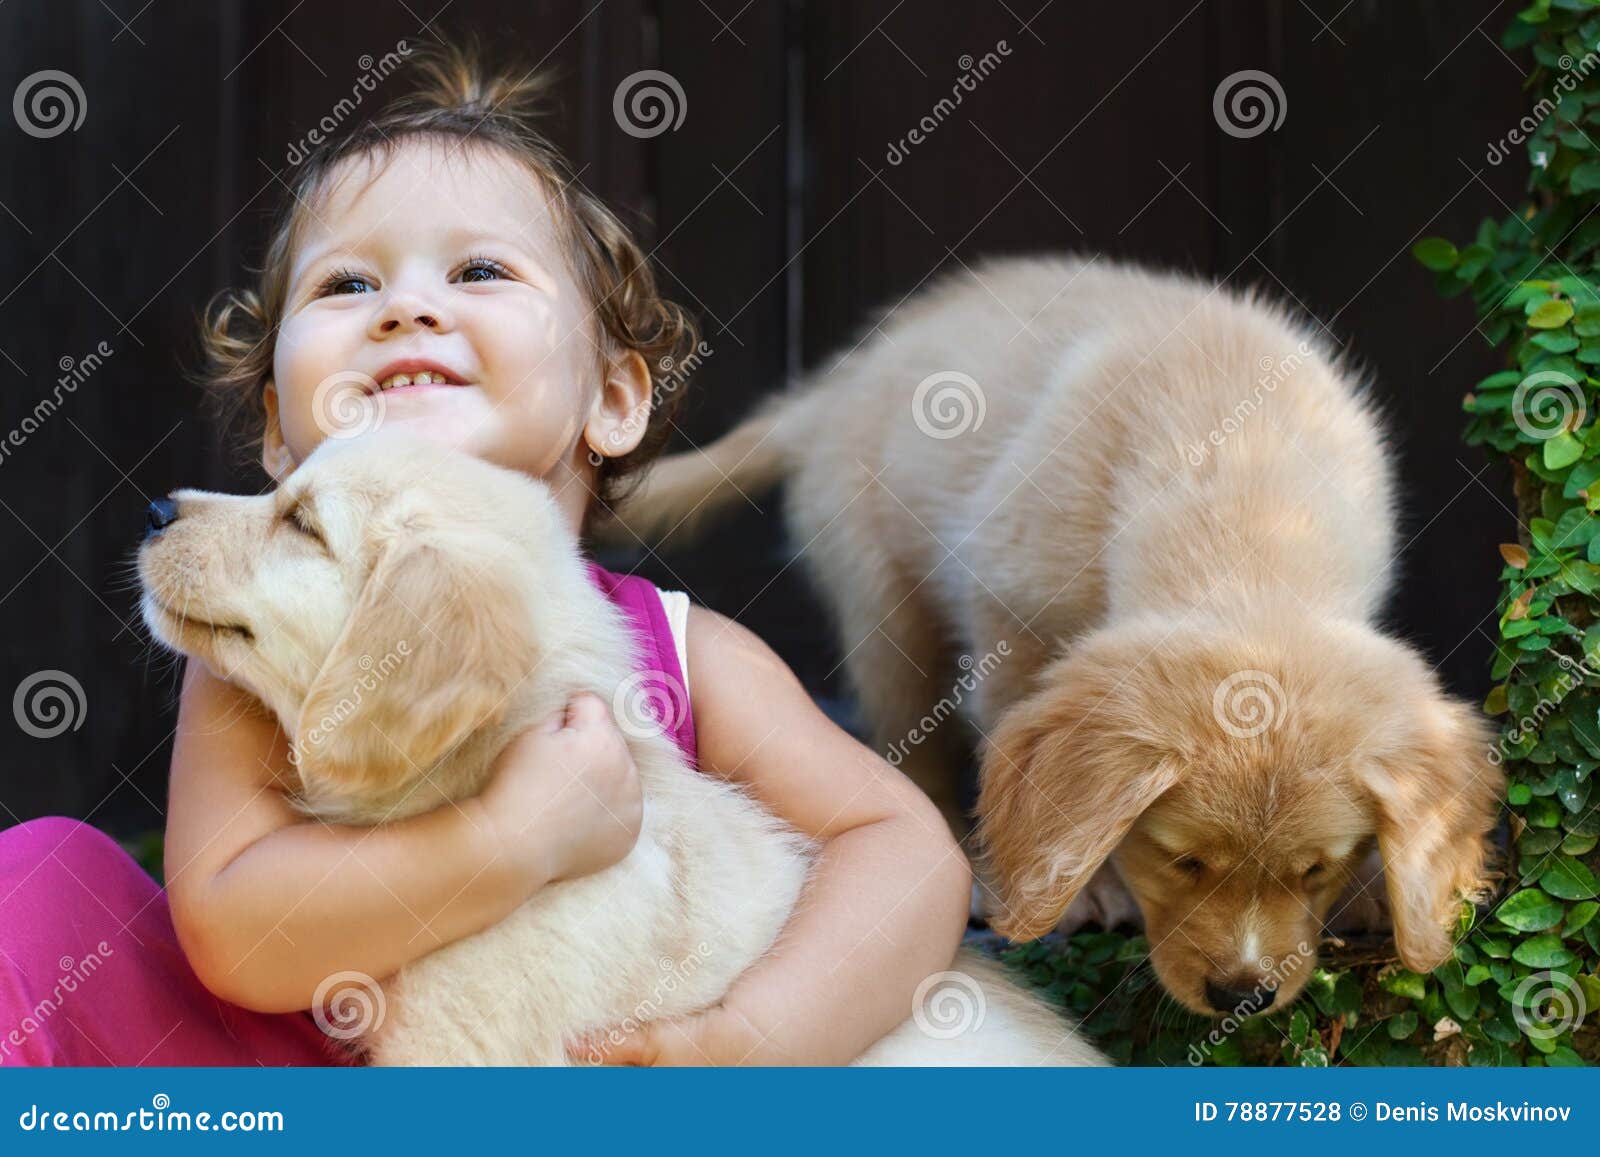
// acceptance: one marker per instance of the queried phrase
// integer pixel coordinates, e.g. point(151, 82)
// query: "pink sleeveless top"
point(655, 697)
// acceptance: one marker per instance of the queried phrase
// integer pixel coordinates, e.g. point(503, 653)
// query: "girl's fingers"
point(609, 1049)
point(585, 710)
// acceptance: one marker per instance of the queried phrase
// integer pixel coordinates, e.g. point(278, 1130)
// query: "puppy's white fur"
point(444, 609)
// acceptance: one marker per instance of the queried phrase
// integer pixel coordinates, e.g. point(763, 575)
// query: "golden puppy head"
point(380, 602)
point(1237, 777)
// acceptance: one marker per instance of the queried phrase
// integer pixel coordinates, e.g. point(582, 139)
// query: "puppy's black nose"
point(1230, 997)
point(163, 513)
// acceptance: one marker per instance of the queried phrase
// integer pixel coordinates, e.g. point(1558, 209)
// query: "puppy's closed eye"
point(300, 518)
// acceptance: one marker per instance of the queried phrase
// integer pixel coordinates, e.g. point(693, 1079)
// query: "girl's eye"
point(482, 269)
point(342, 281)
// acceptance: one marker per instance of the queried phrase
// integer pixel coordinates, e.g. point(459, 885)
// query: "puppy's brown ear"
point(436, 643)
point(1437, 796)
point(1066, 774)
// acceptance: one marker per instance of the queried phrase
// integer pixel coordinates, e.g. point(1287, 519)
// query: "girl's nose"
point(409, 311)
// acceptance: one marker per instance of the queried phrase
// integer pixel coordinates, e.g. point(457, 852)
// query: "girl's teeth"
point(425, 378)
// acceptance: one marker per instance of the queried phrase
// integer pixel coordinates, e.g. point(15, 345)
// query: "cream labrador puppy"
point(404, 610)
point(1137, 531)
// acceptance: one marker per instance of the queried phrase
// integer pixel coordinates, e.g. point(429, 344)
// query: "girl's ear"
point(622, 411)
point(276, 459)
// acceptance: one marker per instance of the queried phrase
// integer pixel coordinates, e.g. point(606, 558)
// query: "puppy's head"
point(1238, 776)
point(378, 602)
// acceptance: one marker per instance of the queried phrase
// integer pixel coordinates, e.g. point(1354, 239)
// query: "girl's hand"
point(564, 797)
point(718, 1036)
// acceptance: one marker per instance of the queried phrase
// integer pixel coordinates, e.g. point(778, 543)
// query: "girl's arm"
point(885, 908)
point(267, 904)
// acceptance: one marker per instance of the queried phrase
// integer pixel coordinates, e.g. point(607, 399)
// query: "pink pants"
point(91, 972)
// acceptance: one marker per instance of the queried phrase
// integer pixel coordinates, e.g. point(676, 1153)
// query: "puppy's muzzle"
point(1233, 997)
point(162, 513)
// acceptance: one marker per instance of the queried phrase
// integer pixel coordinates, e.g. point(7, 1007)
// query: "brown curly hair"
point(457, 99)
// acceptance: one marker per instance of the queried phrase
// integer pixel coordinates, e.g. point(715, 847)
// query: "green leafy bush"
point(1533, 277)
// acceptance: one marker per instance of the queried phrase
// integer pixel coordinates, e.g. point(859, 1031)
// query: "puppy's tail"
point(686, 491)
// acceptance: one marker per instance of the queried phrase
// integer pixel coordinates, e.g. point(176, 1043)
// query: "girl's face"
point(454, 264)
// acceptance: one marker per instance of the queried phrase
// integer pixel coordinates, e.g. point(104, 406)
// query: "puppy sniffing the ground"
point(405, 610)
point(1176, 512)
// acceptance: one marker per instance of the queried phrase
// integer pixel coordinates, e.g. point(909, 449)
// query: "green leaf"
point(1545, 951)
point(1569, 879)
point(1529, 910)
point(1436, 254)
point(1562, 451)
point(1405, 983)
point(1299, 1026)
point(1586, 727)
point(1463, 1002)
point(1585, 178)
point(1551, 315)
point(1401, 1026)
point(1579, 915)
point(1543, 812)
point(1518, 794)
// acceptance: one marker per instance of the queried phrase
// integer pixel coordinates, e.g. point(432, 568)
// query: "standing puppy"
point(1171, 513)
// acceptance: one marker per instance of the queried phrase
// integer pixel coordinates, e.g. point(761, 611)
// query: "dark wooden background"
point(778, 219)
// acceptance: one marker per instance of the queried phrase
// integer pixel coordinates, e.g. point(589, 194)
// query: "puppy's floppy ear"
point(1437, 796)
point(1067, 772)
point(435, 645)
